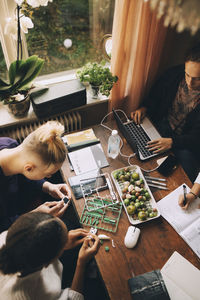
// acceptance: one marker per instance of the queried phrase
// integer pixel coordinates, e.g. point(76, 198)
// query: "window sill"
point(8, 120)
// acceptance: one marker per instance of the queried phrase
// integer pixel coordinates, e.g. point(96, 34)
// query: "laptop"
point(138, 135)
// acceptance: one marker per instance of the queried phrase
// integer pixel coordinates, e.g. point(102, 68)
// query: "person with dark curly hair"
point(29, 264)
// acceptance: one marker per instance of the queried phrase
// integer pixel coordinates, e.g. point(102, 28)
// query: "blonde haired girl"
point(23, 167)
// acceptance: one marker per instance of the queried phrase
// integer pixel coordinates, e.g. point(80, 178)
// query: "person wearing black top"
point(173, 105)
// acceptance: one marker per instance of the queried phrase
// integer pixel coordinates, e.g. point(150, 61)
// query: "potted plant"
point(98, 76)
point(15, 92)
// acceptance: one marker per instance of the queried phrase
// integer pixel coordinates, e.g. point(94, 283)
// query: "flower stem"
point(19, 40)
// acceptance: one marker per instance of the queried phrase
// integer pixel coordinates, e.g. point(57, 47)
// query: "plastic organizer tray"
point(92, 189)
point(150, 203)
point(105, 218)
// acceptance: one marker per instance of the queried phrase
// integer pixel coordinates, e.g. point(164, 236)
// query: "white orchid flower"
point(37, 3)
point(11, 27)
point(19, 2)
point(33, 3)
point(26, 23)
point(44, 2)
point(18, 97)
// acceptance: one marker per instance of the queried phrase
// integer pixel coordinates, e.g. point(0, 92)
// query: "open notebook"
point(186, 223)
point(181, 278)
point(177, 280)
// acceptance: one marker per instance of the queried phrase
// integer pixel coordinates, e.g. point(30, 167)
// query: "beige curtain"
point(137, 43)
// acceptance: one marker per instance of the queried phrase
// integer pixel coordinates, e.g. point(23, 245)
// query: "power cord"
point(121, 142)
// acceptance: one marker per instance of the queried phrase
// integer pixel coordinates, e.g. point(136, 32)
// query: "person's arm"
point(75, 238)
point(57, 191)
point(139, 114)
point(192, 195)
point(88, 250)
point(54, 208)
point(160, 145)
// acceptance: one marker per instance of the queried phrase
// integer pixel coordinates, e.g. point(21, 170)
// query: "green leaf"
point(5, 88)
point(33, 75)
point(13, 70)
point(29, 67)
point(3, 83)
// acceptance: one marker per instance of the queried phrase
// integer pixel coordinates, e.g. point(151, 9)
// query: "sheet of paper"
point(83, 160)
point(174, 214)
point(181, 278)
point(192, 236)
point(88, 159)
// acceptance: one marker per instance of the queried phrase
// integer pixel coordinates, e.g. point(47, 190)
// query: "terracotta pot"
point(20, 109)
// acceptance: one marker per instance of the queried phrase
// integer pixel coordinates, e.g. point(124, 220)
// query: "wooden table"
point(157, 242)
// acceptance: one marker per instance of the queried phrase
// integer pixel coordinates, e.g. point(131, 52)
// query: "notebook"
point(181, 278)
point(80, 139)
point(177, 280)
point(138, 135)
point(185, 222)
point(88, 159)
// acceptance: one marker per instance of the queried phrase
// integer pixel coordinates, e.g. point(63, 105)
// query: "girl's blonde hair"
point(47, 143)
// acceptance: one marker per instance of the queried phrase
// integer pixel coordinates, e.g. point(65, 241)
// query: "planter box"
point(59, 98)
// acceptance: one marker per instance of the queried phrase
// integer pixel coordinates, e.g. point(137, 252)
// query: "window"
point(81, 23)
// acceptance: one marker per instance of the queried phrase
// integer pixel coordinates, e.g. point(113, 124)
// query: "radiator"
point(71, 121)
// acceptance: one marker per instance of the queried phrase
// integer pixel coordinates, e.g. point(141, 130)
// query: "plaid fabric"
point(185, 101)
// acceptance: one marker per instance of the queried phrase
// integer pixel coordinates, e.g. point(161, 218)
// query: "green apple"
point(142, 215)
point(131, 209)
point(126, 202)
point(135, 176)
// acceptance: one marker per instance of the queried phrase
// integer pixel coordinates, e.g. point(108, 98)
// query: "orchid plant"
point(21, 21)
point(21, 72)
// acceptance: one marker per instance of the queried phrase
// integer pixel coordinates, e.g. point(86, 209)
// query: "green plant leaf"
point(27, 69)
point(3, 83)
point(13, 70)
point(33, 75)
point(5, 88)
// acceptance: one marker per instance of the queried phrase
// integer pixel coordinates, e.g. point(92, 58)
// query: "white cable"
point(121, 142)
point(103, 121)
point(147, 171)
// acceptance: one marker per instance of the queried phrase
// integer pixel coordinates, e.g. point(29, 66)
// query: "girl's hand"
point(89, 249)
point(75, 238)
point(57, 191)
point(54, 208)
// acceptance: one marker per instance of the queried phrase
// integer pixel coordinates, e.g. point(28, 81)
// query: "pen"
point(158, 186)
point(184, 194)
point(155, 178)
point(153, 181)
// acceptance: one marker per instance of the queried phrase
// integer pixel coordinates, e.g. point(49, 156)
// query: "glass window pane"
point(82, 22)
point(3, 68)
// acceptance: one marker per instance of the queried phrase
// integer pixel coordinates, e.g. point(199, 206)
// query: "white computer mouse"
point(131, 236)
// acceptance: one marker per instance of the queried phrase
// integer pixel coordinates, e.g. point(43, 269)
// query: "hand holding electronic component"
point(76, 238)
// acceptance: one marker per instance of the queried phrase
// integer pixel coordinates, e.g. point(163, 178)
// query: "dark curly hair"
point(193, 54)
point(33, 240)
